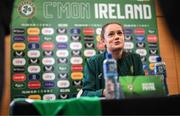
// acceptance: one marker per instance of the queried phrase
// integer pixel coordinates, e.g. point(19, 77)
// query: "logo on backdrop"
point(26, 9)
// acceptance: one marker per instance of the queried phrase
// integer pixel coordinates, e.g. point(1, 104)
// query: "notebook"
point(142, 86)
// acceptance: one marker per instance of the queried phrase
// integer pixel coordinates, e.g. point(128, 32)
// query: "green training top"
point(93, 82)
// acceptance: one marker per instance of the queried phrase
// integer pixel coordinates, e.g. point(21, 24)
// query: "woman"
point(112, 35)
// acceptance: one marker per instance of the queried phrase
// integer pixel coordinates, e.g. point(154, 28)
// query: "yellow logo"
point(77, 75)
point(19, 46)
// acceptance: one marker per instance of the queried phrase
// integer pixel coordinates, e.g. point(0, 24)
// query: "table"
point(155, 105)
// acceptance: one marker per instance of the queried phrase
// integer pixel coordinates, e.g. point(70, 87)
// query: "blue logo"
point(18, 38)
point(33, 46)
point(140, 38)
point(128, 31)
point(62, 45)
point(75, 31)
point(34, 77)
point(49, 84)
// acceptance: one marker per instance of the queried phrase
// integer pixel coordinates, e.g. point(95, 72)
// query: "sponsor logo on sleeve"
point(143, 58)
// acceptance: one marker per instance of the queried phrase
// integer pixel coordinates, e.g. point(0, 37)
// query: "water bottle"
point(160, 69)
point(111, 77)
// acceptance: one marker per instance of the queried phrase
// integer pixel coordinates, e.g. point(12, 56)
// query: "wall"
point(169, 50)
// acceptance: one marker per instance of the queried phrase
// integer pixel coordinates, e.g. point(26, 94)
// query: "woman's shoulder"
point(131, 54)
point(96, 58)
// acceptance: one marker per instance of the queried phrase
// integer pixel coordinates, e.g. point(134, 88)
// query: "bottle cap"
point(158, 59)
point(108, 55)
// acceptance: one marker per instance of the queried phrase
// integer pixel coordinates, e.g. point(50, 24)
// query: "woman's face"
point(114, 37)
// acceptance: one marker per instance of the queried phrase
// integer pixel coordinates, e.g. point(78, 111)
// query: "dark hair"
point(104, 27)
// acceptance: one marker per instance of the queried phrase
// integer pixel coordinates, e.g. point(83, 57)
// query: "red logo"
point(19, 77)
point(152, 38)
point(34, 85)
point(76, 67)
point(88, 31)
point(48, 46)
point(139, 31)
point(33, 38)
